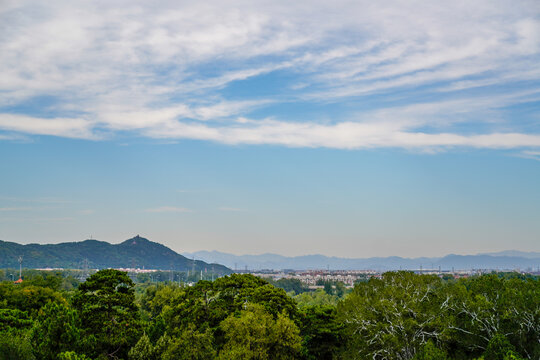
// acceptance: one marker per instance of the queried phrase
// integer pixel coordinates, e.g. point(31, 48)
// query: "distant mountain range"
point(135, 252)
point(506, 260)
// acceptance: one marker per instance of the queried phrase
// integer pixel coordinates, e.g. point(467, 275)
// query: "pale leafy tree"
point(392, 317)
point(396, 316)
point(481, 309)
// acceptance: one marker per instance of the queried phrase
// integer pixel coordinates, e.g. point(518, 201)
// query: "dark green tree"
point(328, 288)
point(498, 348)
point(321, 331)
point(15, 345)
point(11, 319)
point(56, 330)
point(109, 316)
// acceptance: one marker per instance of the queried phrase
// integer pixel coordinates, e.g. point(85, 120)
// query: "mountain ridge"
point(136, 252)
point(317, 261)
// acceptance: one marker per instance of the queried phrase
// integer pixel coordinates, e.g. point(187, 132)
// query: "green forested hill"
point(136, 252)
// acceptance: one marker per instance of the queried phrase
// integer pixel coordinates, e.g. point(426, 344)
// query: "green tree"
point(14, 319)
point(341, 290)
point(430, 352)
point(57, 329)
point(110, 318)
point(391, 317)
point(143, 350)
point(328, 288)
point(71, 355)
point(498, 348)
point(15, 345)
point(255, 334)
point(207, 304)
point(480, 308)
point(321, 331)
point(290, 285)
point(317, 297)
point(27, 298)
point(191, 345)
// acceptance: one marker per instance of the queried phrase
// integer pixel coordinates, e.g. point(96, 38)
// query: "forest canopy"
point(402, 315)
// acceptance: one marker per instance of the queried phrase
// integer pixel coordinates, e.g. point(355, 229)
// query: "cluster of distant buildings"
point(312, 278)
point(349, 277)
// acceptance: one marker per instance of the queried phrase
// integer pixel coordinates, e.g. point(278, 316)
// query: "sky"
point(345, 128)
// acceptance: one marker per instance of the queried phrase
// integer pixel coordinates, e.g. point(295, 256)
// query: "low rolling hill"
point(135, 252)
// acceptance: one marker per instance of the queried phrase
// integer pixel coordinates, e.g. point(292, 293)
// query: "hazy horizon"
point(225, 251)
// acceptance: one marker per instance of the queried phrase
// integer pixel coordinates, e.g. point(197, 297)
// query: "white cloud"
point(230, 209)
point(168, 209)
point(528, 154)
point(14, 209)
point(46, 200)
point(71, 128)
point(160, 70)
point(345, 135)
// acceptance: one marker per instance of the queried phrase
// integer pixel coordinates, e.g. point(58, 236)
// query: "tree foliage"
point(109, 316)
point(399, 316)
point(256, 334)
point(57, 329)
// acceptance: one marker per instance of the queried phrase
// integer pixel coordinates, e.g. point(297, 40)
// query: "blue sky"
point(349, 128)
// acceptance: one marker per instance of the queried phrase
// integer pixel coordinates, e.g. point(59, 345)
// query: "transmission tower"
point(84, 272)
point(20, 266)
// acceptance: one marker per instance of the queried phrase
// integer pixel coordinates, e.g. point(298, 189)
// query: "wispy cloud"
point(527, 154)
point(230, 209)
point(167, 71)
point(191, 191)
point(168, 209)
point(44, 200)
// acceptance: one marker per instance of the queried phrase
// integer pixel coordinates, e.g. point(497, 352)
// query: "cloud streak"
point(168, 209)
point(406, 75)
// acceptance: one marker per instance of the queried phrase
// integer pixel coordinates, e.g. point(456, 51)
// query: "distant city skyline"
point(350, 128)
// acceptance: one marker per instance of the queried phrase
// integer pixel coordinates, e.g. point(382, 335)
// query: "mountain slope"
point(135, 252)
